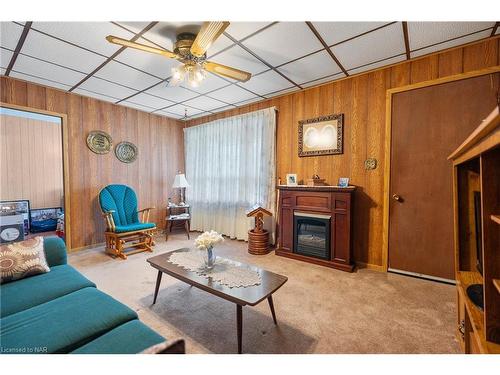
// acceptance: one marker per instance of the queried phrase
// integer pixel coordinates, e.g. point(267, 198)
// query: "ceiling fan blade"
point(143, 47)
point(227, 71)
point(209, 32)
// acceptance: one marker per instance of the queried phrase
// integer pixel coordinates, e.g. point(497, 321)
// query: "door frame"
point(388, 144)
point(66, 190)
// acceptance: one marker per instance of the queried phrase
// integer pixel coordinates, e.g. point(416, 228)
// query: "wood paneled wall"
point(159, 140)
point(31, 161)
point(362, 99)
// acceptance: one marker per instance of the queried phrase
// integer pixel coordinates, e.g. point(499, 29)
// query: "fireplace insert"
point(311, 233)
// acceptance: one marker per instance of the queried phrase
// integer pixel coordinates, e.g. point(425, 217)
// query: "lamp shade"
point(180, 181)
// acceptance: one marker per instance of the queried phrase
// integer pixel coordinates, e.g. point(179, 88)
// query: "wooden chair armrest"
point(146, 209)
point(107, 213)
point(110, 222)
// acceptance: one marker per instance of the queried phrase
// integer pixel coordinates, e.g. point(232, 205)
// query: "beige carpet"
point(319, 310)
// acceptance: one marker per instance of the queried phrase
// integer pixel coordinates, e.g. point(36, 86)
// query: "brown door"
point(427, 125)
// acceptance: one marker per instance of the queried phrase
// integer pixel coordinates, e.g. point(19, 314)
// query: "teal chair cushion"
point(122, 200)
point(132, 227)
point(129, 338)
point(63, 324)
point(35, 290)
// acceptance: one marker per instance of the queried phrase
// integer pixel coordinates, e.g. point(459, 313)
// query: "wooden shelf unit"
point(476, 171)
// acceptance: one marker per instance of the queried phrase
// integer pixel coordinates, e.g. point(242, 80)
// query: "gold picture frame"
point(322, 136)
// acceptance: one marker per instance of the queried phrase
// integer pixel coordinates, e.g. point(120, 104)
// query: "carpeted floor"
point(319, 310)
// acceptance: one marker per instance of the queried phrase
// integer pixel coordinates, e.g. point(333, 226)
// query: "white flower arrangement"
point(207, 240)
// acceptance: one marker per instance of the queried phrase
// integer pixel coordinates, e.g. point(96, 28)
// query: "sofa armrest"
point(55, 251)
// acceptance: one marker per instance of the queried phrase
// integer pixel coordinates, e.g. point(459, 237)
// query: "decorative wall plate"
point(126, 152)
point(99, 142)
point(370, 163)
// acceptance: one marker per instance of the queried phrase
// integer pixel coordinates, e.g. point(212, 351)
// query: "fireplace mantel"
point(331, 200)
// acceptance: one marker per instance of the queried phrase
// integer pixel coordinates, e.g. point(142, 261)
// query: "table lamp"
point(180, 182)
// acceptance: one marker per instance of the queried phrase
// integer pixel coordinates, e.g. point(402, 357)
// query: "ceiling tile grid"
point(368, 48)
point(317, 65)
point(62, 54)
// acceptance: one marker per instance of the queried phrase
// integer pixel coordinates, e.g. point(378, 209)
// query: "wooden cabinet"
point(334, 202)
point(476, 171)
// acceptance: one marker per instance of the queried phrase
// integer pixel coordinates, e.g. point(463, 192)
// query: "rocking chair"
point(124, 230)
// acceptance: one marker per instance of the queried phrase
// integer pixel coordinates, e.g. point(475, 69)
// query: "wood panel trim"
point(388, 134)
point(66, 189)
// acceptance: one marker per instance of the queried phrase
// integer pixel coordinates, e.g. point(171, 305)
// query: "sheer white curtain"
point(231, 166)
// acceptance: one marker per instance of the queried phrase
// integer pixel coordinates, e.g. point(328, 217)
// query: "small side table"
point(178, 215)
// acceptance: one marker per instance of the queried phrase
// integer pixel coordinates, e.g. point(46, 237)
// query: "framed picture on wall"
point(321, 136)
point(17, 207)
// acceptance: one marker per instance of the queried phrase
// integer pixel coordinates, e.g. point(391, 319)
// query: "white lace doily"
point(225, 271)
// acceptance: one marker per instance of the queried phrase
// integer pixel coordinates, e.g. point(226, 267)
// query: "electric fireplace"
point(311, 234)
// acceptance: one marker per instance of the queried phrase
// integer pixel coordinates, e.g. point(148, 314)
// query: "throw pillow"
point(22, 259)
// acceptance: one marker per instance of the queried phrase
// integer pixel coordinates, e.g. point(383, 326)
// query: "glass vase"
point(210, 258)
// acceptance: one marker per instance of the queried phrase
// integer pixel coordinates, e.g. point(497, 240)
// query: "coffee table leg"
point(239, 318)
point(271, 305)
point(158, 281)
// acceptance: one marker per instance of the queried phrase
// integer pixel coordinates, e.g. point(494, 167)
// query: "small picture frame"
point(291, 179)
point(343, 182)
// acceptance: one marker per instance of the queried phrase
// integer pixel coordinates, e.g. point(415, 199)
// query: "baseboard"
point(369, 266)
point(75, 249)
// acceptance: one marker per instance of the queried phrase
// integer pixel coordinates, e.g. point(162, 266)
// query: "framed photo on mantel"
point(321, 136)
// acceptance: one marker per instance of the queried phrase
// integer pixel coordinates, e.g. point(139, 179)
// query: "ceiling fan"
point(191, 50)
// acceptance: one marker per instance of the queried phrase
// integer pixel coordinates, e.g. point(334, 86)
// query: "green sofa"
point(63, 312)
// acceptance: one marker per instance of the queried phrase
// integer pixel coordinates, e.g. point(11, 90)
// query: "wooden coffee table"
point(242, 296)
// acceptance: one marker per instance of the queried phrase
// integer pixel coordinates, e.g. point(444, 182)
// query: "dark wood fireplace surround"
point(330, 200)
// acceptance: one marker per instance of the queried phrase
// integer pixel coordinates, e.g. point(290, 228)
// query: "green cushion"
point(122, 200)
point(129, 338)
point(63, 324)
point(132, 227)
point(55, 251)
point(32, 291)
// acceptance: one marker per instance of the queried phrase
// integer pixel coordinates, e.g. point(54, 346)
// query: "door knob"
point(396, 197)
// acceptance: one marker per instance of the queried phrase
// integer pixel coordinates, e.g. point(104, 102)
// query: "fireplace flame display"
point(312, 234)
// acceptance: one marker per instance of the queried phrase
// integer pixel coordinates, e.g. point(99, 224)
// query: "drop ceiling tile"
point(5, 57)
point(90, 35)
point(103, 87)
point(46, 70)
point(133, 26)
point(150, 101)
point(323, 80)
point(210, 83)
point(377, 45)
point(379, 64)
point(179, 109)
point(53, 50)
point(168, 114)
point(2, 71)
point(156, 65)
point(240, 30)
point(94, 95)
point(265, 83)
point(423, 34)
point(232, 94)
point(124, 75)
point(175, 94)
point(281, 92)
point(204, 103)
point(221, 43)
point(335, 32)
point(451, 43)
point(10, 34)
point(222, 109)
point(40, 80)
point(137, 106)
point(283, 42)
point(249, 101)
point(238, 58)
point(314, 66)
